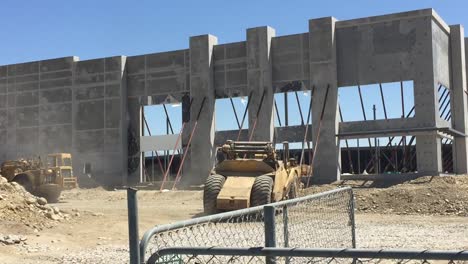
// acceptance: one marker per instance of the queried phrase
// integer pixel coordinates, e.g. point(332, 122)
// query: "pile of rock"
point(446, 195)
point(19, 206)
point(12, 239)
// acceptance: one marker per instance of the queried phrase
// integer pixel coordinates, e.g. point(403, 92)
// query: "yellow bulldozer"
point(45, 181)
point(62, 163)
point(249, 174)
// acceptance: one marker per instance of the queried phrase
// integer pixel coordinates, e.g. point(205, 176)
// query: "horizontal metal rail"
point(398, 132)
point(315, 253)
point(227, 215)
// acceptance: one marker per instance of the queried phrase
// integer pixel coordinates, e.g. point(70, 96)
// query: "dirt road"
point(97, 231)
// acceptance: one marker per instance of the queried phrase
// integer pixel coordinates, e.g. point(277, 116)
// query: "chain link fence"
point(295, 255)
point(320, 220)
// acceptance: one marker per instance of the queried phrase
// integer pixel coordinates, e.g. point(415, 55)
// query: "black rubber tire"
point(213, 185)
point(261, 191)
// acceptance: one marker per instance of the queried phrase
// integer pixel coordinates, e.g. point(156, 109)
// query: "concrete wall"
point(93, 108)
point(99, 111)
point(65, 105)
point(36, 108)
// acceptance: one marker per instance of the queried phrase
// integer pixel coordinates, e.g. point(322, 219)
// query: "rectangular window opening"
point(391, 100)
point(292, 108)
point(229, 119)
point(159, 123)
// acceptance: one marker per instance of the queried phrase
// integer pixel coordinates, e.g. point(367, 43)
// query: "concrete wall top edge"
point(155, 53)
point(383, 18)
point(230, 43)
point(104, 58)
point(71, 58)
point(440, 21)
point(292, 35)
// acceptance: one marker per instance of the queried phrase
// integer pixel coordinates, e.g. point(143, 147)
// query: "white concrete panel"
point(163, 142)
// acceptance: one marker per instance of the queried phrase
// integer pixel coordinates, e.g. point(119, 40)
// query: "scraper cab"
point(249, 174)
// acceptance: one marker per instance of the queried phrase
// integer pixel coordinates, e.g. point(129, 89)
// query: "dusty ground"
point(96, 230)
point(424, 196)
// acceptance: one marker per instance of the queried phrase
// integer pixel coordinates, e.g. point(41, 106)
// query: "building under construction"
point(94, 109)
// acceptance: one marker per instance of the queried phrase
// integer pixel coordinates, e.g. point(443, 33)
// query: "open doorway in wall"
point(447, 155)
point(377, 155)
point(161, 142)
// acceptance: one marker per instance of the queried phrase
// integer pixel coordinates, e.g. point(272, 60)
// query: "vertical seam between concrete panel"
point(303, 74)
point(105, 102)
point(16, 113)
point(225, 73)
point(145, 81)
point(38, 101)
point(185, 74)
point(74, 107)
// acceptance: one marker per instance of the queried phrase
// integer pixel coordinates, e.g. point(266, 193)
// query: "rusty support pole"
point(149, 132)
point(277, 113)
point(305, 134)
point(179, 176)
point(175, 147)
point(365, 119)
point(318, 132)
point(235, 112)
point(256, 116)
point(300, 108)
point(350, 161)
point(245, 114)
point(286, 117)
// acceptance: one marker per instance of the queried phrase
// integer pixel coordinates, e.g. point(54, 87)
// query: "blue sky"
point(36, 30)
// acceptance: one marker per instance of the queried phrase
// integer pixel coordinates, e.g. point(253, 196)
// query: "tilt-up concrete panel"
point(259, 82)
point(99, 118)
point(323, 75)
point(459, 98)
point(201, 153)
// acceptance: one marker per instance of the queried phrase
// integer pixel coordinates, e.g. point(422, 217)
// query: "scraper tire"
point(261, 190)
point(213, 185)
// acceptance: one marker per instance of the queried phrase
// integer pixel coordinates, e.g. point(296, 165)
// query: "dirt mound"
point(426, 195)
point(20, 210)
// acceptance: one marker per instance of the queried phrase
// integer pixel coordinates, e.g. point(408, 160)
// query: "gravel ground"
point(99, 233)
point(373, 231)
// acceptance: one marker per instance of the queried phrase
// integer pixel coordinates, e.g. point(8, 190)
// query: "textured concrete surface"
point(92, 108)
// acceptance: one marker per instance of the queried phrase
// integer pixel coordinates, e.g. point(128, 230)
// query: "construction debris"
point(424, 196)
point(11, 239)
point(17, 206)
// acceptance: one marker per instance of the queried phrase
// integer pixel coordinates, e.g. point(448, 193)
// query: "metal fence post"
point(286, 230)
point(270, 231)
point(285, 226)
point(132, 205)
point(353, 222)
